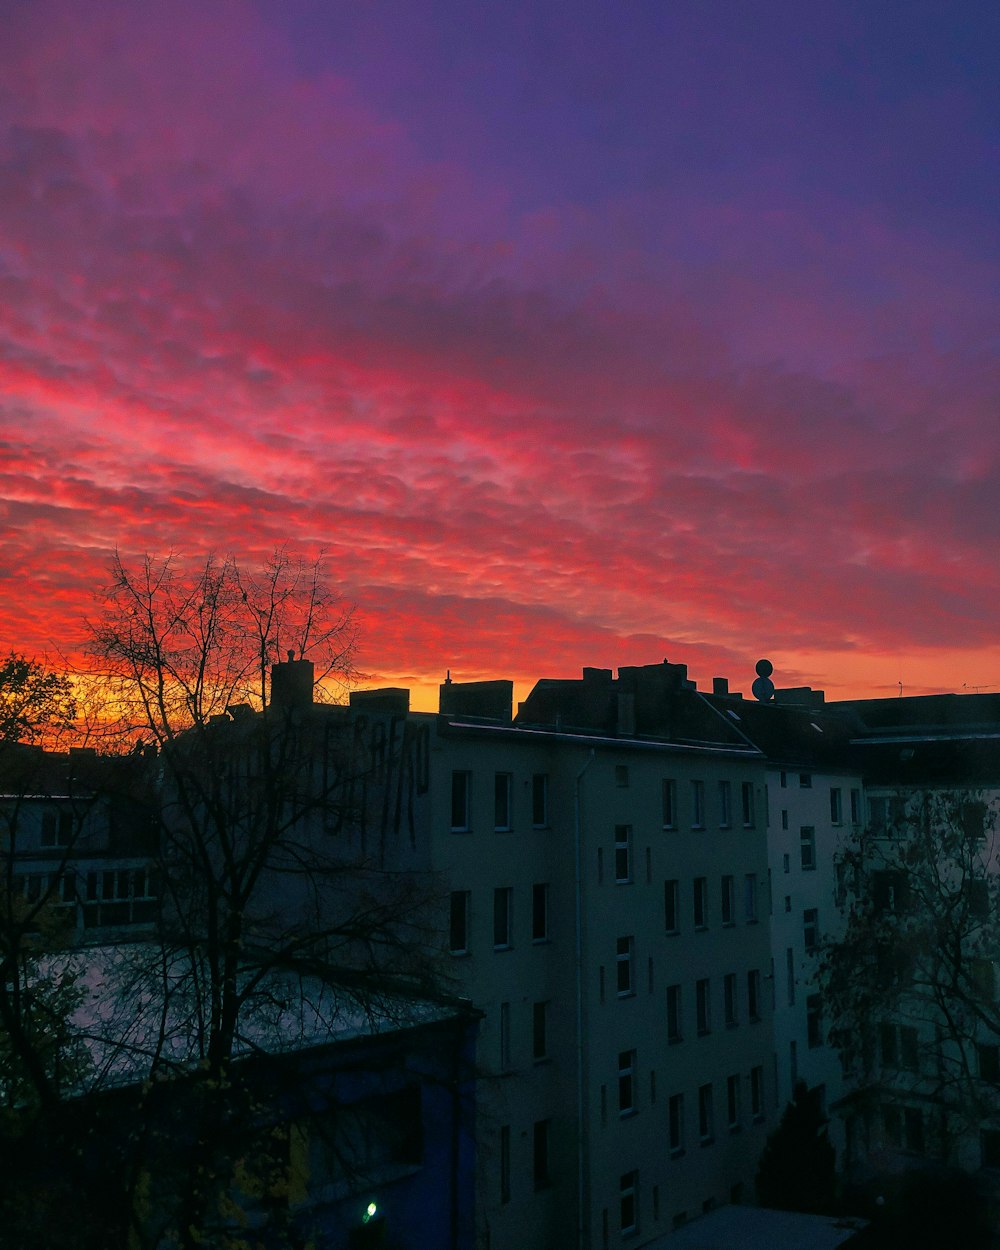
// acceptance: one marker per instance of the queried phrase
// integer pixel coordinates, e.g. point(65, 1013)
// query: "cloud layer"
point(568, 342)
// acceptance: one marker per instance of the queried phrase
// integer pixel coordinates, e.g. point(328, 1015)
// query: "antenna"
point(976, 689)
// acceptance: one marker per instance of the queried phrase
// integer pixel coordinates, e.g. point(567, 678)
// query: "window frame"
point(503, 802)
point(624, 966)
point(461, 800)
point(503, 911)
point(462, 900)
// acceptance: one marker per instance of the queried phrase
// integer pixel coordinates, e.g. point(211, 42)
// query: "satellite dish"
point(763, 687)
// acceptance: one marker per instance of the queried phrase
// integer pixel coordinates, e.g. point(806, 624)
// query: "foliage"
point(914, 971)
point(35, 705)
point(796, 1171)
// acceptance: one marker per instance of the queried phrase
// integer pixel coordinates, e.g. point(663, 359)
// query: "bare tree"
point(265, 878)
point(911, 987)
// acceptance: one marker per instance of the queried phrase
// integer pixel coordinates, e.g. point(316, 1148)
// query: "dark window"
point(753, 994)
point(461, 787)
point(748, 806)
point(913, 1130)
point(626, 1082)
point(909, 1048)
point(502, 784)
point(729, 997)
point(705, 1126)
point(887, 1045)
point(757, 1093)
point(676, 1122)
point(674, 1029)
point(670, 906)
point(805, 781)
point(855, 807)
point(733, 1102)
point(505, 1163)
point(700, 902)
point(539, 913)
point(630, 1202)
point(459, 925)
point(502, 899)
point(728, 900)
point(990, 1146)
point(814, 1021)
point(698, 804)
point(836, 806)
point(539, 1031)
point(625, 952)
point(621, 775)
point(702, 1000)
point(750, 897)
point(623, 854)
point(807, 846)
point(725, 804)
point(989, 1063)
point(540, 800)
point(810, 928)
point(669, 799)
point(978, 893)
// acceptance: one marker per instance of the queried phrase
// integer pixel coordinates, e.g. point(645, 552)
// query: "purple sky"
point(573, 333)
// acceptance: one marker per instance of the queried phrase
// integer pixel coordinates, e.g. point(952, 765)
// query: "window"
point(790, 973)
point(623, 854)
point(913, 1130)
point(675, 1119)
point(504, 1037)
point(674, 1029)
point(892, 1126)
point(701, 902)
point(505, 1163)
point(786, 862)
point(887, 1044)
point(502, 906)
point(977, 893)
point(461, 788)
point(725, 804)
point(788, 904)
point(669, 800)
point(990, 1147)
point(750, 898)
point(749, 819)
point(705, 1126)
point(729, 997)
point(733, 1102)
point(540, 800)
point(626, 1082)
point(629, 1207)
point(57, 828)
point(783, 779)
point(542, 1176)
point(807, 846)
point(540, 912)
point(624, 956)
point(621, 776)
point(702, 999)
point(989, 1063)
point(840, 884)
point(458, 942)
point(814, 1021)
point(784, 818)
point(793, 1063)
point(855, 807)
point(836, 806)
point(909, 1048)
point(805, 781)
point(671, 906)
point(502, 785)
point(753, 994)
point(810, 929)
point(539, 1031)
point(728, 901)
point(757, 1093)
point(698, 804)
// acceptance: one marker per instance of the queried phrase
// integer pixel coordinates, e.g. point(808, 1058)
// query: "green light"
point(369, 1212)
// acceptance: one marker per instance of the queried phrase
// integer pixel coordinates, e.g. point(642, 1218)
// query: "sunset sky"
point(572, 333)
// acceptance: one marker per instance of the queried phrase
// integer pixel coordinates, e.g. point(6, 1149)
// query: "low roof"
point(759, 1228)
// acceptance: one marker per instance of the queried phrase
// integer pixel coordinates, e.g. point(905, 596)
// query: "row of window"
point(703, 996)
point(672, 915)
point(111, 884)
point(503, 801)
point(698, 812)
point(460, 917)
point(676, 1110)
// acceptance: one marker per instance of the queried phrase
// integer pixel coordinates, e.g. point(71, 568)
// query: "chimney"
point(720, 685)
point(292, 682)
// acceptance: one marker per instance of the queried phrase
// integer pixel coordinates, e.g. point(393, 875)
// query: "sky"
point(569, 333)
